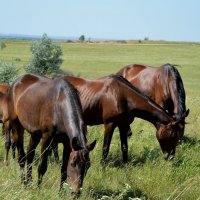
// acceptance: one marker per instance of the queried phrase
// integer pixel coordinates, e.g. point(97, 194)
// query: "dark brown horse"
point(114, 102)
point(162, 84)
point(49, 110)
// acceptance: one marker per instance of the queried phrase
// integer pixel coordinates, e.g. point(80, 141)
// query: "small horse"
point(49, 110)
point(3, 92)
point(162, 84)
point(114, 102)
point(5, 128)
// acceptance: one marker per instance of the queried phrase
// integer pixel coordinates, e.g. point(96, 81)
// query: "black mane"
point(127, 83)
point(180, 89)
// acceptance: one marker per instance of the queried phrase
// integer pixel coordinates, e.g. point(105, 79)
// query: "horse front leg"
point(42, 168)
point(33, 142)
point(109, 128)
point(124, 145)
point(65, 158)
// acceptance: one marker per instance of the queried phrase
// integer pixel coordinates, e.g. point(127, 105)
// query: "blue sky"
point(176, 20)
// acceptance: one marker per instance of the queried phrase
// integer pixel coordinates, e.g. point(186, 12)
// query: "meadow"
point(147, 175)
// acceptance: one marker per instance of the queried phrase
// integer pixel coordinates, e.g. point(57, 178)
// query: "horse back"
point(93, 95)
point(143, 77)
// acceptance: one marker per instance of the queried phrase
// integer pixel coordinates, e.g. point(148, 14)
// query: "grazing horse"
point(49, 110)
point(162, 84)
point(5, 128)
point(114, 102)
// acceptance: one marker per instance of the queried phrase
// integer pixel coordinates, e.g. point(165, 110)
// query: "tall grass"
point(147, 175)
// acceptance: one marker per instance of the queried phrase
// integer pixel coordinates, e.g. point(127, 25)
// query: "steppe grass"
point(147, 175)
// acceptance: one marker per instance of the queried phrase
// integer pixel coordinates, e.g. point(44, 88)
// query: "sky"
point(172, 20)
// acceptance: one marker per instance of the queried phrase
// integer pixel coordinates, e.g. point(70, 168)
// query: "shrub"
point(8, 72)
point(2, 45)
point(46, 58)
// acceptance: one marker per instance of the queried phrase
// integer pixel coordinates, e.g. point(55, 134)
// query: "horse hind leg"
point(109, 128)
point(124, 145)
point(6, 132)
point(7, 147)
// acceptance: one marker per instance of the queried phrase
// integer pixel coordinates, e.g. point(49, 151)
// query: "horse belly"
point(93, 117)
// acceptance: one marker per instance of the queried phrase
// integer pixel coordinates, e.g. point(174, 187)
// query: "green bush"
point(2, 45)
point(46, 58)
point(8, 72)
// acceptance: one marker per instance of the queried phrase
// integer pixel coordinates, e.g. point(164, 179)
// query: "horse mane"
point(76, 104)
point(133, 88)
point(179, 87)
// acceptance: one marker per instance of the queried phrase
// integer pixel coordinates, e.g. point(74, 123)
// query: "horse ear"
point(185, 114)
point(91, 146)
point(75, 145)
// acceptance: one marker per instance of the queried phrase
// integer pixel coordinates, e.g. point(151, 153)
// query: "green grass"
point(147, 175)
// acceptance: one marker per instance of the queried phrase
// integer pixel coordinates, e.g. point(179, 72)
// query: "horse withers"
point(162, 84)
point(49, 110)
point(115, 102)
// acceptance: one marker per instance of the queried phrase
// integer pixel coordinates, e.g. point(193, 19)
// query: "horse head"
point(168, 137)
point(78, 164)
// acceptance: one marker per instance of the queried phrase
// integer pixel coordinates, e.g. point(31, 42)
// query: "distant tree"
point(82, 38)
point(146, 38)
point(8, 72)
point(2, 45)
point(46, 57)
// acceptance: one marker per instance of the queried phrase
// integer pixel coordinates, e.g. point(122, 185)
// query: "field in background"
point(146, 175)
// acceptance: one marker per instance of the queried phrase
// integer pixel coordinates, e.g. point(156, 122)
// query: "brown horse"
point(114, 102)
point(162, 84)
point(49, 110)
point(5, 128)
point(7, 131)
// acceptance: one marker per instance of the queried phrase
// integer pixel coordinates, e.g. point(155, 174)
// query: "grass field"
point(147, 175)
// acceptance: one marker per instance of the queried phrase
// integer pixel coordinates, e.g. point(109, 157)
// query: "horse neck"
point(72, 111)
point(146, 109)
